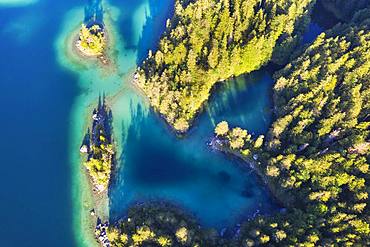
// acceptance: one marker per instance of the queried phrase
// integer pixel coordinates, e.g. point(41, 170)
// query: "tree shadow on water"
point(148, 163)
point(94, 11)
point(126, 24)
point(155, 25)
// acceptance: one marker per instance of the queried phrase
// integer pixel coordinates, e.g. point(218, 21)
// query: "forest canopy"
point(317, 152)
point(209, 41)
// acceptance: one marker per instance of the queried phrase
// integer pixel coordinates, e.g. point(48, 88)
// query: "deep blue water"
point(313, 31)
point(37, 97)
point(158, 165)
point(214, 188)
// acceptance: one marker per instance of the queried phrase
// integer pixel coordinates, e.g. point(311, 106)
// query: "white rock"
point(100, 187)
point(84, 149)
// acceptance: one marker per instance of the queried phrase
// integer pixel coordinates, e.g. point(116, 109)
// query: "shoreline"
point(170, 127)
point(204, 106)
point(88, 71)
point(216, 144)
point(106, 61)
point(102, 58)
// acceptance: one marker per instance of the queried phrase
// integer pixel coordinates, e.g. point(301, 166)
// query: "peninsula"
point(99, 151)
point(211, 41)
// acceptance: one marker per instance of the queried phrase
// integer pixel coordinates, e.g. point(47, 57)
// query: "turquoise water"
point(47, 98)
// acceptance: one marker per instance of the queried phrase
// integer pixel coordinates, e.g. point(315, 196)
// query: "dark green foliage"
point(209, 41)
point(318, 149)
point(99, 147)
point(316, 154)
point(160, 225)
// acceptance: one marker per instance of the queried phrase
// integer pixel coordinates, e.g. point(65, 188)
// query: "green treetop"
point(317, 151)
point(209, 41)
point(91, 40)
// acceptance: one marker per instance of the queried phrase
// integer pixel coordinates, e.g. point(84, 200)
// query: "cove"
point(156, 165)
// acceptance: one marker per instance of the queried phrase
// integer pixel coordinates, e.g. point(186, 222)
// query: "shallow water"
point(47, 98)
point(154, 163)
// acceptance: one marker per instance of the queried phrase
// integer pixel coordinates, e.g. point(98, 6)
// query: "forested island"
point(98, 150)
point(211, 41)
point(98, 145)
point(91, 41)
point(315, 156)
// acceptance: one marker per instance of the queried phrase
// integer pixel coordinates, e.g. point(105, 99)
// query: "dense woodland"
point(99, 147)
point(345, 9)
point(209, 41)
point(315, 157)
point(316, 153)
point(160, 225)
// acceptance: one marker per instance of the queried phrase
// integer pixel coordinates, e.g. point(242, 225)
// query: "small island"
point(98, 145)
point(92, 39)
point(100, 161)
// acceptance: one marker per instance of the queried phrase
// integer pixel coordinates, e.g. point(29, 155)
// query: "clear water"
point(47, 97)
point(157, 165)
